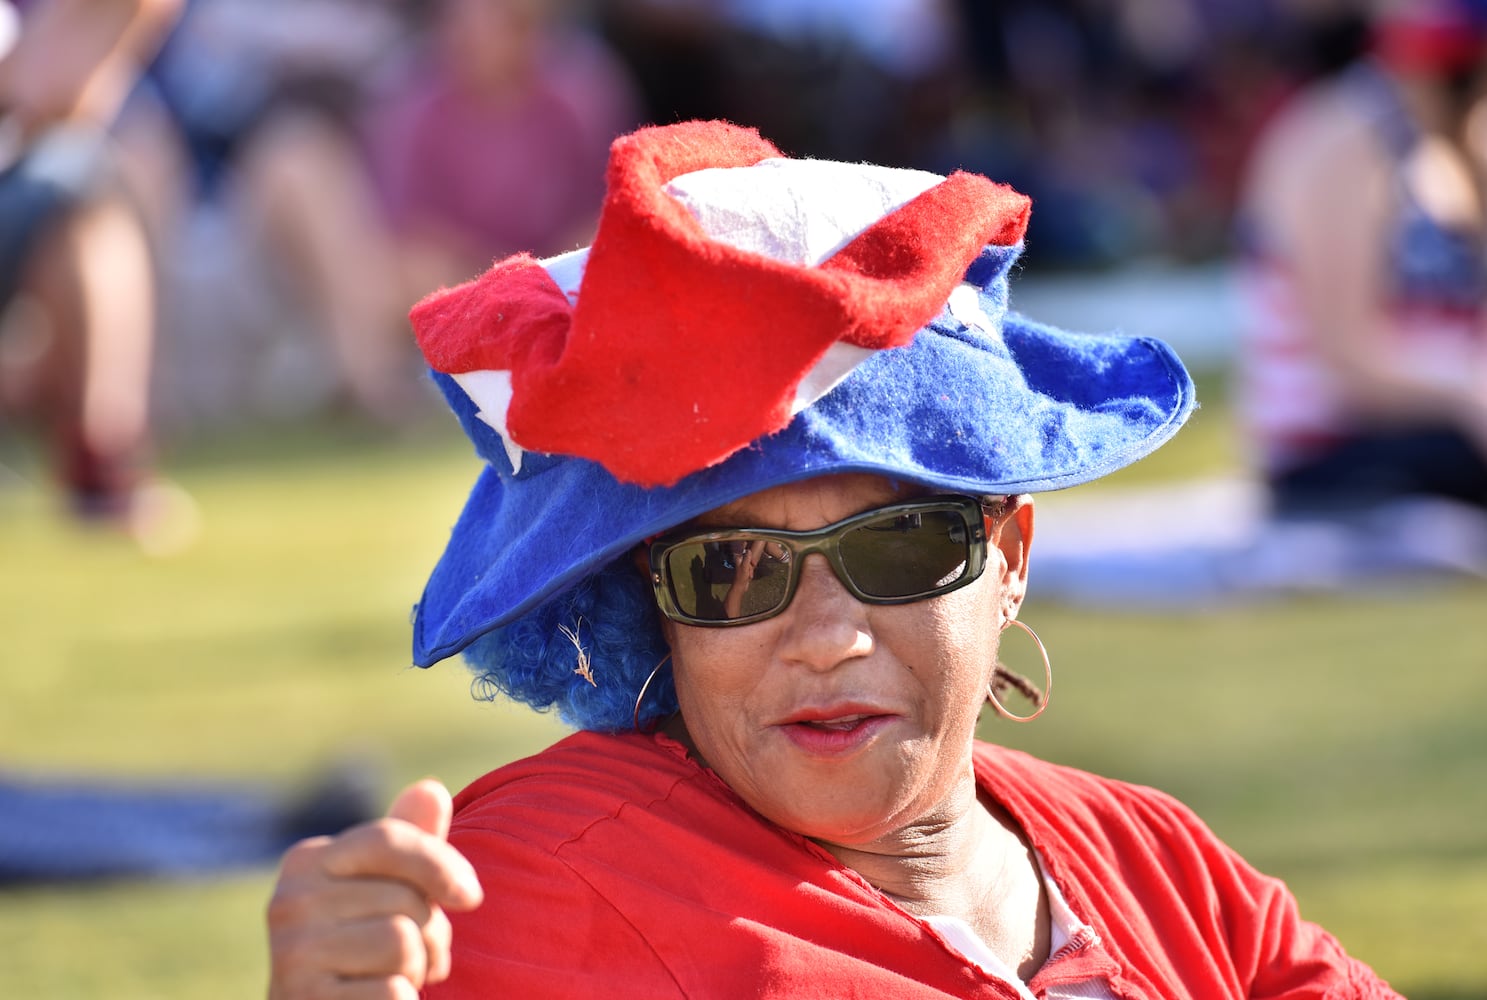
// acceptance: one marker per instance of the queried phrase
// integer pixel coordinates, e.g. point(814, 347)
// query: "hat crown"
point(714, 255)
point(795, 211)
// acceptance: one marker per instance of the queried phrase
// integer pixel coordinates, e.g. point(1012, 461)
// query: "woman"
point(77, 362)
point(781, 403)
point(1365, 373)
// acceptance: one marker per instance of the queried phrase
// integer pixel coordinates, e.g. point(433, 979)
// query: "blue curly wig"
point(586, 651)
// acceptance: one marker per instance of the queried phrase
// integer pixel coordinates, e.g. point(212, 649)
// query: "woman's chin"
point(844, 808)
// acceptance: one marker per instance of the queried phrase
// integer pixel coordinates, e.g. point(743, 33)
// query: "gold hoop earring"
point(635, 718)
point(1003, 679)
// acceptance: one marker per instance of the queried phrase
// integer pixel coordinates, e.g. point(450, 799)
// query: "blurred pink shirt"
point(525, 173)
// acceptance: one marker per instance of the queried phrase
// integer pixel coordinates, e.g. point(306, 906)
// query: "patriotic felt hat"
point(745, 320)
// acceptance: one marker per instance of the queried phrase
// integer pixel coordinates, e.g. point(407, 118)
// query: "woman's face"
point(843, 721)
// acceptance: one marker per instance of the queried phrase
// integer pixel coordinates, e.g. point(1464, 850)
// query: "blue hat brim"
point(1025, 408)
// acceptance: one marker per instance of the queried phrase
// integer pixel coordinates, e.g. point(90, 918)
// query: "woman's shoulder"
point(583, 779)
point(568, 848)
point(1064, 796)
point(1093, 832)
point(1141, 867)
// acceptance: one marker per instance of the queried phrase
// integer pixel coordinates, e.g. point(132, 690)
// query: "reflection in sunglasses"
point(900, 553)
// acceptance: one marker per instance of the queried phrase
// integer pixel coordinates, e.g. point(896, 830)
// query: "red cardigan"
point(615, 866)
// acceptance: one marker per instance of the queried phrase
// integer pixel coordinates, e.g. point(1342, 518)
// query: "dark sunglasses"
point(892, 555)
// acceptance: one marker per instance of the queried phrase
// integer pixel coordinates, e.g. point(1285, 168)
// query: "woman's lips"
point(835, 732)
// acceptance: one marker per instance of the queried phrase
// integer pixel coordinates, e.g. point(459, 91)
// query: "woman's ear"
point(1011, 535)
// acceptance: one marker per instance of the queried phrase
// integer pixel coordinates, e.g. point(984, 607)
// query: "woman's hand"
point(361, 914)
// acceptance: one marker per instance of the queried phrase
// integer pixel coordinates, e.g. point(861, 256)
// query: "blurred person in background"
point(1364, 371)
point(78, 289)
point(841, 79)
point(489, 133)
point(242, 330)
point(1120, 119)
point(77, 276)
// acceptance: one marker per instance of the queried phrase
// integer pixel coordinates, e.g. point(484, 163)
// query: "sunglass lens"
point(904, 555)
point(728, 579)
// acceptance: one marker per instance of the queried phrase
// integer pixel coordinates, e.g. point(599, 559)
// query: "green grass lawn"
point(1338, 743)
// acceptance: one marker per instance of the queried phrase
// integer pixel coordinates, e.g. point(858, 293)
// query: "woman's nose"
point(824, 624)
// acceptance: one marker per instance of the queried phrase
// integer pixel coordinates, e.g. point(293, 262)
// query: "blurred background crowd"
point(285, 177)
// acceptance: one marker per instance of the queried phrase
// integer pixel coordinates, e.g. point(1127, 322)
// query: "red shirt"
point(615, 866)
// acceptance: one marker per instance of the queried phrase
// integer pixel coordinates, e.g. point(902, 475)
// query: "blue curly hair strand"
point(586, 651)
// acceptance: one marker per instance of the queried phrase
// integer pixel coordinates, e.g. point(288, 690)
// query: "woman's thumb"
point(425, 804)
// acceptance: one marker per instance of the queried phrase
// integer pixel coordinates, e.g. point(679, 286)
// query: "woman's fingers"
point(376, 947)
point(393, 988)
point(396, 849)
point(384, 988)
point(347, 900)
point(370, 957)
point(438, 938)
point(362, 913)
point(367, 900)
